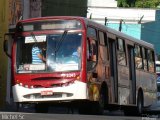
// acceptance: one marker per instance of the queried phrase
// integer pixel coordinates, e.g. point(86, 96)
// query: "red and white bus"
point(112, 70)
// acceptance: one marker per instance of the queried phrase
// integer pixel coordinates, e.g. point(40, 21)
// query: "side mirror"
point(5, 43)
point(5, 46)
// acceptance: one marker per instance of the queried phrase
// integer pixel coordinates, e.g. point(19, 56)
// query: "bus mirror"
point(5, 48)
point(5, 43)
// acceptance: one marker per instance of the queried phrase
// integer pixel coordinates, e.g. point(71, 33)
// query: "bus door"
point(132, 75)
point(113, 69)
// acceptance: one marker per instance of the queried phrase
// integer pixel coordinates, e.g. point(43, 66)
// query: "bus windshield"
point(60, 52)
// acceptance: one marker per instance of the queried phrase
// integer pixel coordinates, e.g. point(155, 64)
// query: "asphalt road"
point(61, 113)
point(52, 116)
point(27, 112)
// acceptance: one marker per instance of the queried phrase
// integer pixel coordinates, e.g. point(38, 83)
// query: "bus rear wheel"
point(139, 104)
point(137, 110)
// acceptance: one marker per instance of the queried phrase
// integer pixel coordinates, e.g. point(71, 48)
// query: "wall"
point(133, 30)
point(3, 58)
point(64, 8)
point(15, 11)
point(151, 33)
point(127, 14)
point(139, 23)
point(35, 8)
point(102, 3)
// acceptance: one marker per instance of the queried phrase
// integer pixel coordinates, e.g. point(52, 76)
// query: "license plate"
point(48, 92)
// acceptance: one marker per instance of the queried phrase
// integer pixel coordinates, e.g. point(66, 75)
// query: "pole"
point(105, 23)
point(120, 25)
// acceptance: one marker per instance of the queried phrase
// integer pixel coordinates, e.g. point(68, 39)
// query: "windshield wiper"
point(61, 40)
point(34, 38)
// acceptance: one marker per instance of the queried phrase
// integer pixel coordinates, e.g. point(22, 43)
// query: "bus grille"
point(54, 95)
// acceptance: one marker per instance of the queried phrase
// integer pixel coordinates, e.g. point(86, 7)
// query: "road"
point(63, 114)
point(51, 116)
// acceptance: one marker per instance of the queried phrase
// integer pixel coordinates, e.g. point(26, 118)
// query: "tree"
point(122, 3)
point(139, 3)
point(147, 3)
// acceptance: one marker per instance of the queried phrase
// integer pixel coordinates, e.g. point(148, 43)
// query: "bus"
point(113, 70)
point(158, 79)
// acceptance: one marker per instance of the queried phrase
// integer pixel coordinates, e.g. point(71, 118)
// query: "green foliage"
point(122, 3)
point(139, 3)
point(147, 3)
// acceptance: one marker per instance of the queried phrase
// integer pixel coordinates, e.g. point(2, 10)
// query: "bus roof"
point(120, 34)
point(91, 22)
point(50, 18)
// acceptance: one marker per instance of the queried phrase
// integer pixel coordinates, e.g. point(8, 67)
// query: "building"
point(38, 8)
point(102, 3)
point(139, 23)
point(150, 32)
point(3, 58)
point(64, 8)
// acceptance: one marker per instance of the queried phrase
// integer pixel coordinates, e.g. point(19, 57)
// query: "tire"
point(139, 104)
point(135, 111)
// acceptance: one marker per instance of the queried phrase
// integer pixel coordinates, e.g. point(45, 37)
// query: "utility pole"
point(120, 25)
point(90, 16)
point(105, 23)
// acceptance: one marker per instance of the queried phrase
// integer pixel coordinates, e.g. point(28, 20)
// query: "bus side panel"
point(123, 85)
point(147, 81)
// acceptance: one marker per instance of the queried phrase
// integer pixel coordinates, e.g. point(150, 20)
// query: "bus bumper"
point(74, 91)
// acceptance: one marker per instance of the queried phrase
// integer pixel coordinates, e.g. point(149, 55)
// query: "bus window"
point(91, 53)
point(121, 52)
point(24, 55)
point(144, 53)
point(101, 38)
point(138, 57)
point(157, 67)
point(103, 46)
point(91, 33)
point(150, 60)
point(59, 54)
